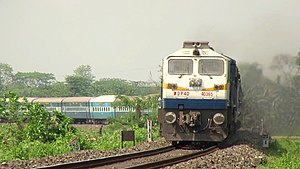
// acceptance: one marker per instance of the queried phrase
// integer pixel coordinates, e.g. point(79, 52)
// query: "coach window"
point(180, 66)
point(211, 67)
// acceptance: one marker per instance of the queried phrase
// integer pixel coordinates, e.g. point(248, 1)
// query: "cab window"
point(180, 66)
point(211, 67)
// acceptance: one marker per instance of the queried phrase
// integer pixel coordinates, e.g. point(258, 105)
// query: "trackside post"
point(149, 129)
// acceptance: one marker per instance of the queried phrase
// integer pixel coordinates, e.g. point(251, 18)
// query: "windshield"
point(180, 66)
point(211, 67)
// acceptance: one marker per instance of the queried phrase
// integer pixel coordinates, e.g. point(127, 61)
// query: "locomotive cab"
point(198, 93)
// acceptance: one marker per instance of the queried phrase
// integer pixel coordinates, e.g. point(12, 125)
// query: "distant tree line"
point(81, 83)
point(275, 102)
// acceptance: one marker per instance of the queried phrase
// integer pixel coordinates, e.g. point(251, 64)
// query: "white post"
point(149, 128)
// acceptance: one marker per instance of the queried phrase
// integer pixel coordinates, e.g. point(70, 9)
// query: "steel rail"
point(174, 160)
point(108, 160)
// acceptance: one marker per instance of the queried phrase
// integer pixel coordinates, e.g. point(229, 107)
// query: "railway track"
point(175, 160)
point(139, 160)
point(108, 160)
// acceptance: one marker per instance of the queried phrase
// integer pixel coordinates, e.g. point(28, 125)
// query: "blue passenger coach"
point(84, 109)
point(101, 107)
point(51, 103)
point(77, 108)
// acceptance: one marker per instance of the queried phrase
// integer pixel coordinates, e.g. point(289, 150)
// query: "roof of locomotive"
point(203, 48)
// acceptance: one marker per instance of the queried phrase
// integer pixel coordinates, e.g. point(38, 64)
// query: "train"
point(84, 109)
point(201, 95)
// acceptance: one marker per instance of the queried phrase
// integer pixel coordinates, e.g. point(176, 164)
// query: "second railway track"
point(108, 160)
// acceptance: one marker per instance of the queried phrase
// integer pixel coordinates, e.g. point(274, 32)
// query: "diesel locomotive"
point(200, 95)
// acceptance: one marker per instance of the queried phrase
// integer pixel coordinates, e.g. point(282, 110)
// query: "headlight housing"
point(170, 117)
point(218, 118)
point(172, 86)
point(219, 87)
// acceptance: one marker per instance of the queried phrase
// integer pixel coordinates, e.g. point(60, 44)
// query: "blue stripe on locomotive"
point(194, 103)
point(101, 110)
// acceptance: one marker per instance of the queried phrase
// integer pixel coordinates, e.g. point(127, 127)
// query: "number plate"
point(188, 93)
point(207, 94)
point(181, 93)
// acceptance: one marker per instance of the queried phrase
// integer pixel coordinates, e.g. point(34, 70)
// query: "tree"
point(287, 103)
point(81, 82)
point(79, 86)
point(113, 86)
point(58, 89)
point(256, 99)
point(34, 79)
point(6, 76)
point(84, 71)
point(274, 102)
point(138, 103)
point(250, 73)
point(286, 67)
point(123, 87)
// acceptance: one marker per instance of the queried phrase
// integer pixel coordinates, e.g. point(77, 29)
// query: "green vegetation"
point(111, 137)
point(31, 131)
point(149, 103)
point(283, 153)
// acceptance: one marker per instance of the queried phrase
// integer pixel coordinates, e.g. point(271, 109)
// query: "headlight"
point(192, 83)
point(172, 86)
point(195, 82)
point(219, 118)
point(198, 82)
point(170, 117)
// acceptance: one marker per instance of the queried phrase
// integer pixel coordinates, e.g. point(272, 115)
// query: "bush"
point(32, 122)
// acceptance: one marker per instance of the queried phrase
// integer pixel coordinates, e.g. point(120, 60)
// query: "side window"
point(180, 66)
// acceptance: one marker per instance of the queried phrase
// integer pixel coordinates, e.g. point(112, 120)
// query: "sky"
point(128, 38)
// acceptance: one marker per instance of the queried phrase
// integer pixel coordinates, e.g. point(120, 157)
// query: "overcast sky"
point(128, 38)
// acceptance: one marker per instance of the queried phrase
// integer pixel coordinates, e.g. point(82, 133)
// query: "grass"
point(111, 137)
point(32, 149)
point(283, 153)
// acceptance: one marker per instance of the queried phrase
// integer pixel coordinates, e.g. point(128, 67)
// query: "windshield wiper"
point(180, 76)
point(205, 71)
point(209, 76)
